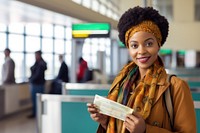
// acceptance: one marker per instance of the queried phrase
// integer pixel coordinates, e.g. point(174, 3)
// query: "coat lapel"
point(163, 85)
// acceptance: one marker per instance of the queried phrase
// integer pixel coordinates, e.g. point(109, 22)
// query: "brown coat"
point(184, 113)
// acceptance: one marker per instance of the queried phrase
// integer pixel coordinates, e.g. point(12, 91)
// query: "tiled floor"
point(18, 123)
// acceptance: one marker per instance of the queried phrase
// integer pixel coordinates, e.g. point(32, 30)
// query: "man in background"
point(8, 69)
point(63, 76)
point(37, 79)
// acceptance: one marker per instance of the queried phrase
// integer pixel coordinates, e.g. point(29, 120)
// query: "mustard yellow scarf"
point(140, 97)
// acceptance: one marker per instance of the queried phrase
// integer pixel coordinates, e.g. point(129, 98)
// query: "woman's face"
point(143, 48)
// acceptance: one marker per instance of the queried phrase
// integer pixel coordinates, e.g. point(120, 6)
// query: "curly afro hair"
point(136, 15)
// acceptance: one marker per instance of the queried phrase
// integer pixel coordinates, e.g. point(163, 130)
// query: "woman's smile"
point(143, 59)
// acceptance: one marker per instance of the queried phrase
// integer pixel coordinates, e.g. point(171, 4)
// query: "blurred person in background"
point(8, 69)
point(37, 79)
point(82, 69)
point(63, 76)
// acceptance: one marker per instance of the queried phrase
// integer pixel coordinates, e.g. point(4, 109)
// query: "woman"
point(141, 84)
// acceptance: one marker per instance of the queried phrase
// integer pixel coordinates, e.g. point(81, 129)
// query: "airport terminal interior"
point(69, 29)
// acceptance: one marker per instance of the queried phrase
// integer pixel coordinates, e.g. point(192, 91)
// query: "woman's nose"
point(141, 49)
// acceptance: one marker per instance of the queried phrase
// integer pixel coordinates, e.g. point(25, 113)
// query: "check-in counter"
point(64, 114)
point(85, 89)
point(68, 114)
point(191, 75)
point(14, 98)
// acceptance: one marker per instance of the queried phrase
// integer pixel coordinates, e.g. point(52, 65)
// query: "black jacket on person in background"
point(63, 72)
point(38, 72)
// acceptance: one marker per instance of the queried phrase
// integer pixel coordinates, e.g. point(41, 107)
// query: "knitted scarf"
point(140, 97)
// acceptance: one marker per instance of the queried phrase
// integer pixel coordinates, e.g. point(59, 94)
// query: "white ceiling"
point(17, 12)
point(51, 11)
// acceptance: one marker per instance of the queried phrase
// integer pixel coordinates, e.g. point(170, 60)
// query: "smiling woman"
point(143, 31)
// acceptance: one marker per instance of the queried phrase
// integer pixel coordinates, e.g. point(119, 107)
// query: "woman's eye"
point(149, 44)
point(134, 45)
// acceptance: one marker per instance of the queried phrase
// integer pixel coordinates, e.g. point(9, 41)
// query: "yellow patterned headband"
point(147, 26)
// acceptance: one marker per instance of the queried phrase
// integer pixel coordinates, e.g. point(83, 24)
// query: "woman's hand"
point(96, 116)
point(134, 123)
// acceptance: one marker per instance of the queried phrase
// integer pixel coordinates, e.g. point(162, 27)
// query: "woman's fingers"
point(92, 108)
point(135, 122)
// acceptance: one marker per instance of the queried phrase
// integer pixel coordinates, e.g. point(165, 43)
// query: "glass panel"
point(2, 27)
point(68, 46)
point(102, 9)
point(102, 44)
point(47, 45)
point(32, 44)
point(3, 41)
point(47, 30)
point(115, 16)
point(56, 65)
point(33, 29)
point(86, 49)
point(108, 46)
point(49, 60)
point(1, 62)
point(16, 28)
point(68, 33)
point(68, 60)
point(19, 67)
point(59, 32)
point(59, 46)
point(95, 5)
point(108, 65)
point(30, 60)
point(16, 42)
point(109, 13)
point(109, 5)
point(94, 46)
point(94, 61)
point(86, 3)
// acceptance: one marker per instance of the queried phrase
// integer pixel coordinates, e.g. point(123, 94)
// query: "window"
point(86, 3)
point(32, 44)
point(1, 62)
point(47, 45)
point(33, 29)
point(16, 42)
point(102, 9)
point(18, 58)
point(24, 40)
point(3, 41)
point(102, 6)
point(59, 32)
point(47, 30)
point(68, 33)
point(48, 58)
point(2, 27)
point(30, 60)
point(95, 5)
point(59, 46)
point(16, 28)
point(68, 47)
point(165, 7)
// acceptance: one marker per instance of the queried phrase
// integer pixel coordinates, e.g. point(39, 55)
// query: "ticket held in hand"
point(112, 108)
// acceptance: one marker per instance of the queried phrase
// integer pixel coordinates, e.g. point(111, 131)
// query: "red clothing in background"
point(81, 71)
